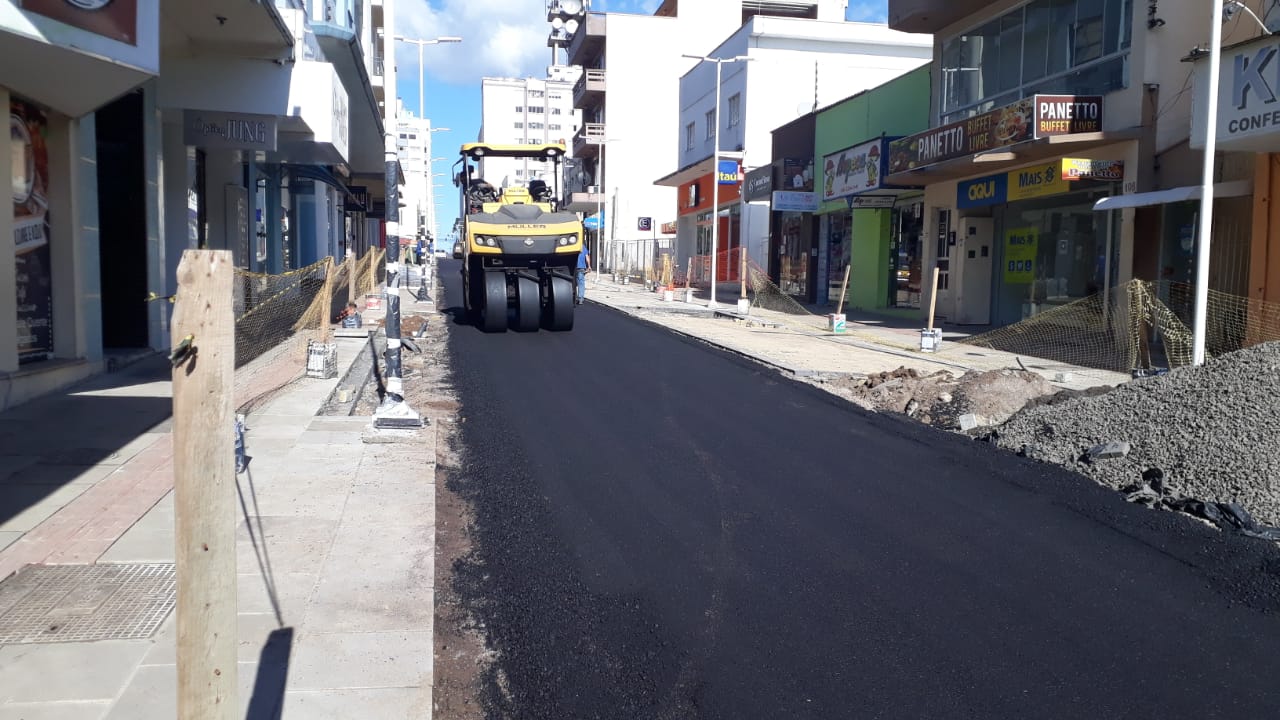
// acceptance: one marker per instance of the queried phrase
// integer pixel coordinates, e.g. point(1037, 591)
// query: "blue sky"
point(513, 44)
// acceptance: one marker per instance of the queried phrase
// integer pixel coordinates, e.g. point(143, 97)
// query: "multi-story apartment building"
point(629, 98)
point(1041, 110)
point(256, 138)
point(788, 67)
point(526, 111)
point(413, 140)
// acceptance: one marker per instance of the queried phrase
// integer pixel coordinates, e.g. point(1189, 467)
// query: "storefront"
point(60, 63)
point(793, 226)
point(695, 219)
point(867, 225)
point(1023, 237)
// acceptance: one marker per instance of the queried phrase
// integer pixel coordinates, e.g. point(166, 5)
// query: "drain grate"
point(78, 603)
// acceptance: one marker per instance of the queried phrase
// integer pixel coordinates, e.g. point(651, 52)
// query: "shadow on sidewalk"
point(53, 441)
point(267, 700)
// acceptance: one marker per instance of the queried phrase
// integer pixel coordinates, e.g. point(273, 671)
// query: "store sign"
point(1248, 97)
point(358, 200)
point(1067, 114)
point(341, 120)
point(870, 202)
point(990, 190)
point(792, 201)
point(28, 129)
point(667, 228)
point(1034, 117)
point(227, 131)
point(1036, 181)
point(728, 172)
point(858, 169)
point(998, 128)
point(114, 19)
point(759, 183)
point(1020, 247)
point(1087, 169)
point(644, 224)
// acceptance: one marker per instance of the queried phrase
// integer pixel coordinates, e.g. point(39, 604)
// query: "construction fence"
point(1136, 325)
point(277, 315)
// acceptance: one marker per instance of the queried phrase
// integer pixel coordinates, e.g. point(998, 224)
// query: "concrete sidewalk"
point(801, 345)
point(335, 557)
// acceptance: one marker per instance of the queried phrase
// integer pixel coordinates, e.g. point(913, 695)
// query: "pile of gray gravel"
point(1213, 430)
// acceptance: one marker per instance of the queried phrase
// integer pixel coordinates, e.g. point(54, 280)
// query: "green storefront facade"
point(876, 230)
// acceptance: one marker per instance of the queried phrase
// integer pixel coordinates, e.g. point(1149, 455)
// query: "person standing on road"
point(584, 267)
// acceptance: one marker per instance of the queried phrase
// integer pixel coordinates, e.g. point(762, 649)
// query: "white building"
point(526, 111)
point(413, 140)
point(795, 66)
point(630, 102)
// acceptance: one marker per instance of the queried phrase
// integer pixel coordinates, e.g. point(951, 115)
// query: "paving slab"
point(339, 661)
point(68, 671)
point(71, 710)
point(358, 703)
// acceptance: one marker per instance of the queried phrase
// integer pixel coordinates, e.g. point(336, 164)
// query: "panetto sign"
point(1034, 117)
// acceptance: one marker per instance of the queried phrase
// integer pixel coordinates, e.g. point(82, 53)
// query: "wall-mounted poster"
point(28, 134)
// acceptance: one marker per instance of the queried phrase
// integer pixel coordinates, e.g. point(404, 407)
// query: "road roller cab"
point(520, 251)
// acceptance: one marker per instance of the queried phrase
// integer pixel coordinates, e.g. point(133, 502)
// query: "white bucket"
point(744, 306)
point(688, 295)
point(835, 322)
point(668, 295)
point(930, 340)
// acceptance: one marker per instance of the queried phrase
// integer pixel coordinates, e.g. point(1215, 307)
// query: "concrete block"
point(1109, 450)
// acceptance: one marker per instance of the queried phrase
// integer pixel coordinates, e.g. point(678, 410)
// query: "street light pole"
point(715, 169)
point(1203, 233)
point(421, 44)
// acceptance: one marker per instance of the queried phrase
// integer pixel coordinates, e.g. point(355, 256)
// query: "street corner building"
point(264, 136)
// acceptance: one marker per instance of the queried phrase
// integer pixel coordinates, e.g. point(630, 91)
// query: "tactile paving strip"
point(79, 603)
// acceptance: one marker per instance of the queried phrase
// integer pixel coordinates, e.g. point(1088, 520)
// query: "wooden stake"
point(326, 304)
point(688, 274)
point(204, 488)
point(844, 285)
point(351, 263)
point(933, 298)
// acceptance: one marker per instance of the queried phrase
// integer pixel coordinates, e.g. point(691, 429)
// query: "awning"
point(693, 171)
point(1237, 188)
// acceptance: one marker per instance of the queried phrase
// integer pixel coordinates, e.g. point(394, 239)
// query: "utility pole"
point(394, 412)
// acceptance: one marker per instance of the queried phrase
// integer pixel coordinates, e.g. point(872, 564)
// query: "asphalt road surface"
point(667, 531)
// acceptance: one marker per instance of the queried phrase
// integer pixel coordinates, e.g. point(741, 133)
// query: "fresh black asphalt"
point(663, 530)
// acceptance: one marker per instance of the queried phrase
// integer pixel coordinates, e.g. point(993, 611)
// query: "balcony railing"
point(591, 83)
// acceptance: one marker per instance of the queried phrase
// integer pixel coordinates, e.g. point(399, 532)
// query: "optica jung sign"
point(229, 131)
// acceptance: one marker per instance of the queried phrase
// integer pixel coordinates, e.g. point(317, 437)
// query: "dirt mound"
point(943, 400)
point(1211, 431)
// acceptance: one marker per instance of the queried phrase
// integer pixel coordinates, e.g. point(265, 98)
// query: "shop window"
point(1079, 45)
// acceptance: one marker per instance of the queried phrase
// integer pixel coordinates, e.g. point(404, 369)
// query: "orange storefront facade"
point(694, 228)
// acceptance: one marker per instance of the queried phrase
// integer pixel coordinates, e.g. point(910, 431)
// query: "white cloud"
point(500, 38)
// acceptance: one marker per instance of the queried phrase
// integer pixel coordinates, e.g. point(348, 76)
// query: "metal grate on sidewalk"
point(79, 603)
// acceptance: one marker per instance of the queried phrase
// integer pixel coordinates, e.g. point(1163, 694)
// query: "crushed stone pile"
point(1211, 432)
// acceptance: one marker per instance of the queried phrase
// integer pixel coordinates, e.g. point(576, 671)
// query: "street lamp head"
point(439, 130)
point(449, 39)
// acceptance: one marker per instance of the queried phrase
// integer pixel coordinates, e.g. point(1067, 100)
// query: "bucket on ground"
point(668, 295)
point(322, 360)
point(930, 339)
point(835, 322)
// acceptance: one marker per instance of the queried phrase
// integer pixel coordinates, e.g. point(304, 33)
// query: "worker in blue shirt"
point(584, 266)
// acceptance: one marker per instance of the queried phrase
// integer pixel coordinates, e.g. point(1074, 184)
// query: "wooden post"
point(933, 298)
point(373, 270)
point(326, 303)
point(844, 285)
point(688, 274)
point(742, 269)
point(204, 488)
point(351, 262)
